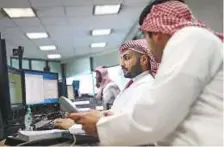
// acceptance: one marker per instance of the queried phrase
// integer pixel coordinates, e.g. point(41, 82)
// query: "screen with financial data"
point(41, 87)
point(15, 88)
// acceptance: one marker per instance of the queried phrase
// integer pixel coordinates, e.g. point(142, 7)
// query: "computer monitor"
point(70, 92)
point(4, 87)
point(75, 85)
point(15, 88)
point(41, 87)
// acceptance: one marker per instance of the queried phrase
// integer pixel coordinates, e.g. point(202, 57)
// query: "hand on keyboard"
point(45, 125)
point(64, 123)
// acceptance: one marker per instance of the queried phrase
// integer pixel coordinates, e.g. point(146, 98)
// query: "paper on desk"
point(31, 133)
point(38, 135)
point(76, 129)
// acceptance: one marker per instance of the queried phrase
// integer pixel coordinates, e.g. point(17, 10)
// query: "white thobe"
point(184, 105)
point(110, 92)
point(127, 98)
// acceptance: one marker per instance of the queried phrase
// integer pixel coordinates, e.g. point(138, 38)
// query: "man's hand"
point(64, 123)
point(76, 116)
point(107, 113)
point(88, 121)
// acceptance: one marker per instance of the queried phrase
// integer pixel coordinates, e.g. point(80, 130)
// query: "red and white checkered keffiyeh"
point(170, 17)
point(141, 47)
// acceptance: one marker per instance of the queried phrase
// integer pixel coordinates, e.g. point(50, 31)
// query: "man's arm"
point(109, 94)
point(191, 58)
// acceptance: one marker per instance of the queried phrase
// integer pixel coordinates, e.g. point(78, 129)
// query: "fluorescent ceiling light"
point(48, 48)
point(53, 56)
point(106, 9)
point(98, 45)
point(19, 12)
point(101, 32)
point(39, 35)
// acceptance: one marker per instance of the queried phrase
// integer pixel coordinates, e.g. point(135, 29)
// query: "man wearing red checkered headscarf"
point(186, 99)
point(139, 66)
point(167, 18)
point(140, 46)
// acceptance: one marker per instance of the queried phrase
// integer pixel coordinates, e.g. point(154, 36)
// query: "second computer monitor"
point(41, 87)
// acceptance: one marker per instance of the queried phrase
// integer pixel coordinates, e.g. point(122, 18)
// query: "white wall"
point(208, 11)
point(109, 59)
point(78, 66)
point(82, 65)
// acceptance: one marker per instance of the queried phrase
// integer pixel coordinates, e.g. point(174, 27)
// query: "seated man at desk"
point(139, 66)
point(108, 89)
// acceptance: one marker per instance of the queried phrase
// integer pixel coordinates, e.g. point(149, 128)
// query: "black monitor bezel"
point(4, 87)
point(23, 77)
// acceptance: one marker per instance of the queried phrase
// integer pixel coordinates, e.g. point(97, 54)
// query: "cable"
point(74, 140)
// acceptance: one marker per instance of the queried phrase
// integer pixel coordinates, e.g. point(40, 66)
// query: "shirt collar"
point(145, 73)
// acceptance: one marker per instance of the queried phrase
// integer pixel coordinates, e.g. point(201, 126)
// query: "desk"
point(65, 140)
point(2, 143)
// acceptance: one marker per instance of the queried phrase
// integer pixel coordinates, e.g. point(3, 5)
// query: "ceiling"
point(68, 23)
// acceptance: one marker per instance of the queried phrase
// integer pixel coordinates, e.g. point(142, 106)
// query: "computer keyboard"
point(45, 125)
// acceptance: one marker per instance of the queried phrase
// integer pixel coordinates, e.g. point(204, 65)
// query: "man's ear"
point(144, 59)
point(160, 38)
point(156, 37)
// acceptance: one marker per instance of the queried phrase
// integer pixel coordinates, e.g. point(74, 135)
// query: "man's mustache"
point(123, 68)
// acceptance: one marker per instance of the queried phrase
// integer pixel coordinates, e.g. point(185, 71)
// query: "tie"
point(128, 84)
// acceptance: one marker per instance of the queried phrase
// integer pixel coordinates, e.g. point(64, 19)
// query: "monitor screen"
point(70, 92)
point(15, 88)
point(41, 87)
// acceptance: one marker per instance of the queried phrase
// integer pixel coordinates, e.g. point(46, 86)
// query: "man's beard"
point(135, 71)
point(98, 85)
point(98, 82)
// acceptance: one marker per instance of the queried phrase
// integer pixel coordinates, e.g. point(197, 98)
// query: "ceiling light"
point(48, 48)
point(19, 12)
point(53, 56)
point(98, 45)
point(101, 32)
point(106, 9)
point(39, 35)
